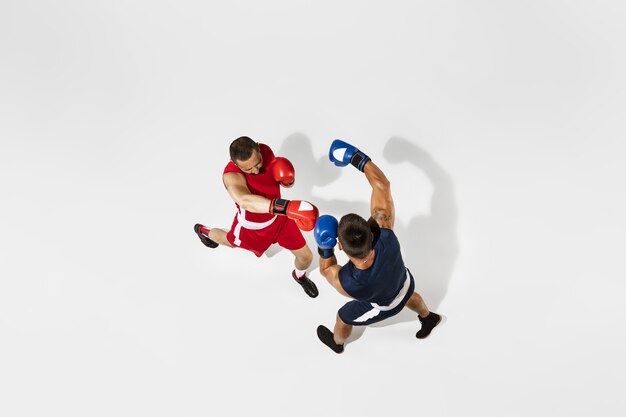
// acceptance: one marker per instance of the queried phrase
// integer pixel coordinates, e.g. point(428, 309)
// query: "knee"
point(342, 327)
point(416, 298)
point(306, 257)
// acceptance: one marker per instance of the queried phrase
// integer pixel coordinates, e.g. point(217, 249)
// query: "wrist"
point(359, 159)
point(326, 253)
point(279, 206)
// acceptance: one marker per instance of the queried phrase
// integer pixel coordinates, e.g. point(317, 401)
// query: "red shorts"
point(257, 237)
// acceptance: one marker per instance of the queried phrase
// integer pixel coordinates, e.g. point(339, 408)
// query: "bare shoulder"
point(233, 179)
point(236, 186)
point(384, 217)
point(331, 274)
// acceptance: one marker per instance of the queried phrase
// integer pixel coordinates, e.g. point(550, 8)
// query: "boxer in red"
point(253, 178)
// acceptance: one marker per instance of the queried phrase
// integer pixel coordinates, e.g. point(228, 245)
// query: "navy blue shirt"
point(381, 282)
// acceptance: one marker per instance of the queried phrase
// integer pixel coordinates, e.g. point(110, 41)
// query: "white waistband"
point(396, 301)
point(241, 219)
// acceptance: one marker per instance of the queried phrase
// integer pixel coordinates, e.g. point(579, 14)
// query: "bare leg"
point(219, 236)
point(428, 319)
point(342, 331)
point(304, 257)
point(416, 303)
point(303, 260)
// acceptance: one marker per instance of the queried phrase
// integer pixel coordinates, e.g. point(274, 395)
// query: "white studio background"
point(499, 123)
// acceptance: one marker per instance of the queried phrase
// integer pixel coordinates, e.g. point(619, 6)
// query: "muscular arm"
point(382, 208)
point(330, 270)
point(238, 190)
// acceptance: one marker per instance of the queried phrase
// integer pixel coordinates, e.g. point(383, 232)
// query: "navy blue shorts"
point(362, 313)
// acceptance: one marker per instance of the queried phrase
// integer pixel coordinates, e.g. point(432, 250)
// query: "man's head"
point(245, 153)
point(355, 236)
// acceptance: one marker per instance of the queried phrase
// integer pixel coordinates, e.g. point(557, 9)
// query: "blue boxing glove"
point(342, 154)
point(326, 235)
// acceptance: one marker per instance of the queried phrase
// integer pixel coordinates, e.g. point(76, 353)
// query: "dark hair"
point(241, 149)
point(355, 235)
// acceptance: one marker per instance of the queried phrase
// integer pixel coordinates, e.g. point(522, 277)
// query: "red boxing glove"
point(283, 172)
point(302, 212)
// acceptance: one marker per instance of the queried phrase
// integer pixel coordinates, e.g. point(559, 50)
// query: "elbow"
point(325, 268)
point(243, 203)
point(382, 184)
point(246, 204)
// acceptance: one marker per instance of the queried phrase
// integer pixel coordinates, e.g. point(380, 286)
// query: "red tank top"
point(260, 184)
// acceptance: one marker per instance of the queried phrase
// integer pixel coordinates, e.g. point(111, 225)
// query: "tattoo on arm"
point(381, 215)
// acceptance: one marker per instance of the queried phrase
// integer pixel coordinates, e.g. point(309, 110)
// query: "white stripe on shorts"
point(396, 301)
point(242, 222)
point(376, 309)
point(370, 314)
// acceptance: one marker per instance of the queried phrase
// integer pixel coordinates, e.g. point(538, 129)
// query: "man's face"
point(251, 165)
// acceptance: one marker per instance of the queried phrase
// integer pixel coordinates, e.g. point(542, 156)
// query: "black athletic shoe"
point(326, 336)
point(428, 324)
point(307, 285)
point(204, 236)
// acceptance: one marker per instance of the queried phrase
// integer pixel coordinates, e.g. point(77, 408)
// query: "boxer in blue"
point(375, 276)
